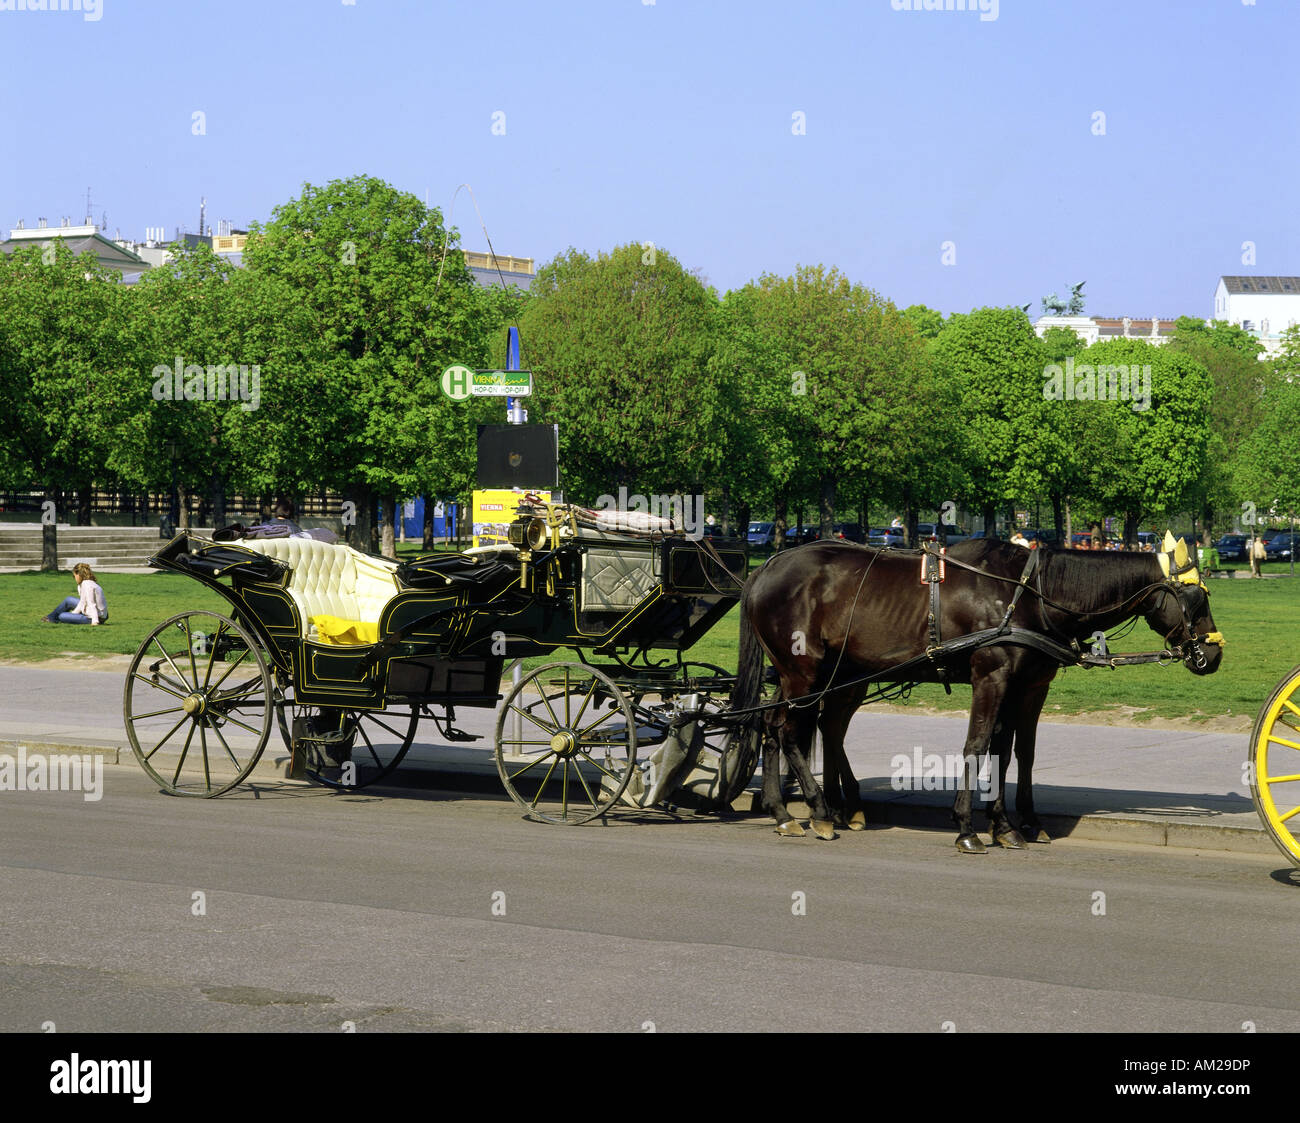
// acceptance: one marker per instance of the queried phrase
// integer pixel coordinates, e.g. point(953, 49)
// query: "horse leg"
point(987, 691)
point(796, 743)
point(773, 801)
point(1000, 826)
point(1026, 735)
point(838, 776)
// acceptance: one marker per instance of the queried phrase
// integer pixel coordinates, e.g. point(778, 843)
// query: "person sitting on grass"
point(88, 608)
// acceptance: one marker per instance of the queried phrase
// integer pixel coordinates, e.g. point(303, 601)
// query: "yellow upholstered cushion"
point(334, 629)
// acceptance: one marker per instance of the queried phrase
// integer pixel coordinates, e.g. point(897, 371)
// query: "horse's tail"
point(740, 756)
point(749, 670)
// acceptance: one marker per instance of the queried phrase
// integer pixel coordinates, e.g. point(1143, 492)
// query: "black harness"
point(1066, 651)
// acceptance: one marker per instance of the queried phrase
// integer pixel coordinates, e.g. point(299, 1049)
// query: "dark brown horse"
point(831, 613)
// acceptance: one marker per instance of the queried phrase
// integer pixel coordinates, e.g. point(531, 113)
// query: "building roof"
point(106, 252)
point(1263, 286)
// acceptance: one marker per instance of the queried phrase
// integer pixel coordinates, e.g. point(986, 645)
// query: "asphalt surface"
point(1110, 783)
point(286, 907)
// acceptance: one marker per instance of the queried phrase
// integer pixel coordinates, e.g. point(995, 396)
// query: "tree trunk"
point(84, 497)
point(780, 520)
point(183, 492)
point(388, 543)
point(1130, 529)
point(50, 532)
point(909, 517)
point(217, 497)
point(1058, 521)
point(359, 519)
point(826, 504)
point(990, 512)
point(430, 506)
point(743, 513)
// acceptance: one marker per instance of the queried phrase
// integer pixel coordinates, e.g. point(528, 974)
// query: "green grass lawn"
point(136, 602)
point(1260, 620)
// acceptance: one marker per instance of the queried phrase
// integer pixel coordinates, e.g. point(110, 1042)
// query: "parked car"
point(1232, 547)
point(1280, 546)
point(881, 536)
point(762, 536)
point(1044, 537)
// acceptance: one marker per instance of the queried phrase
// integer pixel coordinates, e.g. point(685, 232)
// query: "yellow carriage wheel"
point(1274, 765)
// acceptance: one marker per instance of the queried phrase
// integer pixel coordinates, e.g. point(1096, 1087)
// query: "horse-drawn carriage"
point(346, 653)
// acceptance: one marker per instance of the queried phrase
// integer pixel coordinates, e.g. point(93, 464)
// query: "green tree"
point(845, 380)
point(993, 363)
point(391, 306)
point(68, 373)
point(620, 345)
point(1156, 443)
point(1239, 381)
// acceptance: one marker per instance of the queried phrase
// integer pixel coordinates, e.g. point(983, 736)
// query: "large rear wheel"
point(197, 704)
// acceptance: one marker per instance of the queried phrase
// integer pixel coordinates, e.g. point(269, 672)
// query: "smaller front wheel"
point(566, 743)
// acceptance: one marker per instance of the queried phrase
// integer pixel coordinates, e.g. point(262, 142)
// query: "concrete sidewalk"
point(1120, 783)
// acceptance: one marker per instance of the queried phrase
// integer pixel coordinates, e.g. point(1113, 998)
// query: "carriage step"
point(460, 735)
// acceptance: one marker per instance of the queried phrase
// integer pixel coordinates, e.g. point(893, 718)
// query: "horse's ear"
point(1168, 545)
point(1180, 554)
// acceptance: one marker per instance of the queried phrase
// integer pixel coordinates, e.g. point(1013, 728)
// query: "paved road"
point(1153, 786)
point(426, 910)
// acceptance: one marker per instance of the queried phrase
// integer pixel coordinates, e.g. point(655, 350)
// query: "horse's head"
point(1179, 609)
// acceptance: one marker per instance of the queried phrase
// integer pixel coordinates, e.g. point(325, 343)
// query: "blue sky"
point(672, 122)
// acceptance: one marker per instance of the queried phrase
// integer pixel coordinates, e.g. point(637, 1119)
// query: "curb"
point(882, 810)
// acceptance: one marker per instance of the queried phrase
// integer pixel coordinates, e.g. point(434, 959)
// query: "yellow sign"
point(494, 511)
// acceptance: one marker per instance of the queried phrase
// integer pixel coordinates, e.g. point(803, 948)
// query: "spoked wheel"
point(576, 748)
point(348, 749)
point(1274, 765)
point(197, 704)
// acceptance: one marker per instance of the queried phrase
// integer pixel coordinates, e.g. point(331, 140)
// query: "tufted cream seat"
point(330, 579)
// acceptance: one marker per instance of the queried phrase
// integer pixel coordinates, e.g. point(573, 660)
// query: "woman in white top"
point(87, 608)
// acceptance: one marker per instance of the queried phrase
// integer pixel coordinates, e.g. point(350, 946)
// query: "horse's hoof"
point(1010, 840)
point(823, 828)
point(858, 821)
point(971, 844)
point(790, 829)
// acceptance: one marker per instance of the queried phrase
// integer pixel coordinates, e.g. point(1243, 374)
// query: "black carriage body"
point(454, 619)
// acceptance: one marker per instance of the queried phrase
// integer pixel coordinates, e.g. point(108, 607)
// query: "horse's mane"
point(1087, 580)
point(1093, 580)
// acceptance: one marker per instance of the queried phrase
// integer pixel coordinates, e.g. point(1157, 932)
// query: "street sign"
point(457, 383)
point(502, 383)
